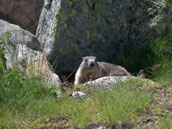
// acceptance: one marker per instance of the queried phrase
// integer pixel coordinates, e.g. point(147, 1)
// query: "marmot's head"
point(89, 62)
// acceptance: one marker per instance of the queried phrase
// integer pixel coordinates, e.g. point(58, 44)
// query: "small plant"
point(5, 44)
point(2, 61)
point(163, 57)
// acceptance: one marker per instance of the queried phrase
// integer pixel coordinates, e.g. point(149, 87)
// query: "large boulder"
point(70, 29)
point(17, 35)
point(24, 13)
point(34, 63)
point(21, 51)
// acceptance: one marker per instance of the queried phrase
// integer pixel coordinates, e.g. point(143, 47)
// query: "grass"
point(29, 104)
point(121, 104)
point(166, 123)
point(163, 57)
point(20, 97)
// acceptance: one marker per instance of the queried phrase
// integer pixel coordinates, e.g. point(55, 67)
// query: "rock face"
point(18, 36)
point(70, 29)
point(32, 62)
point(18, 53)
point(24, 13)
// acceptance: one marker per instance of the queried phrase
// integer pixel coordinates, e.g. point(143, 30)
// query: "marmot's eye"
point(86, 60)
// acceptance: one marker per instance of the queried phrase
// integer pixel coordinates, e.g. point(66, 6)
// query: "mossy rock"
point(70, 29)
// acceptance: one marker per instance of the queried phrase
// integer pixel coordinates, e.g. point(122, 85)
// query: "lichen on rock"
point(70, 29)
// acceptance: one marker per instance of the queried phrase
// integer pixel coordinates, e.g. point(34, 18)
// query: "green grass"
point(27, 103)
point(20, 98)
point(163, 57)
point(166, 123)
point(121, 104)
point(164, 74)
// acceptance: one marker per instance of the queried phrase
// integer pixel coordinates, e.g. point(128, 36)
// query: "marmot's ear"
point(83, 58)
point(95, 57)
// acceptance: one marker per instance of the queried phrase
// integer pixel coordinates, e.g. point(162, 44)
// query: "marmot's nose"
point(92, 64)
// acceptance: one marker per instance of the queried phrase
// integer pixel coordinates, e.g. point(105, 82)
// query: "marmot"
point(90, 69)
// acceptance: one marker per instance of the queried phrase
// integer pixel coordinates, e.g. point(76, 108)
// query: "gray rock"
point(111, 81)
point(78, 95)
point(58, 93)
point(101, 127)
point(46, 32)
point(34, 63)
point(19, 35)
point(70, 29)
point(24, 13)
point(19, 45)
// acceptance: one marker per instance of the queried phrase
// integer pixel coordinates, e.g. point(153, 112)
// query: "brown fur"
point(90, 69)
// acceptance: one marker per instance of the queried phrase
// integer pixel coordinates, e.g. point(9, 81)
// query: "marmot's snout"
point(92, 64)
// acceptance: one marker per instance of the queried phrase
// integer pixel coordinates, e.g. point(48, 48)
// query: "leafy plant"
point(163, 57)
point(5, 44)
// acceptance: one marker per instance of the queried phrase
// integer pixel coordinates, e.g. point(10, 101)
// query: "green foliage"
point(163, 57)
point(135, 59)
point(163, 47)
point(2, 61)
point(158, 52)
point(4, 44)
point(162, 50)
point(20, 95)
point(170, 3)
point(164, 73)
